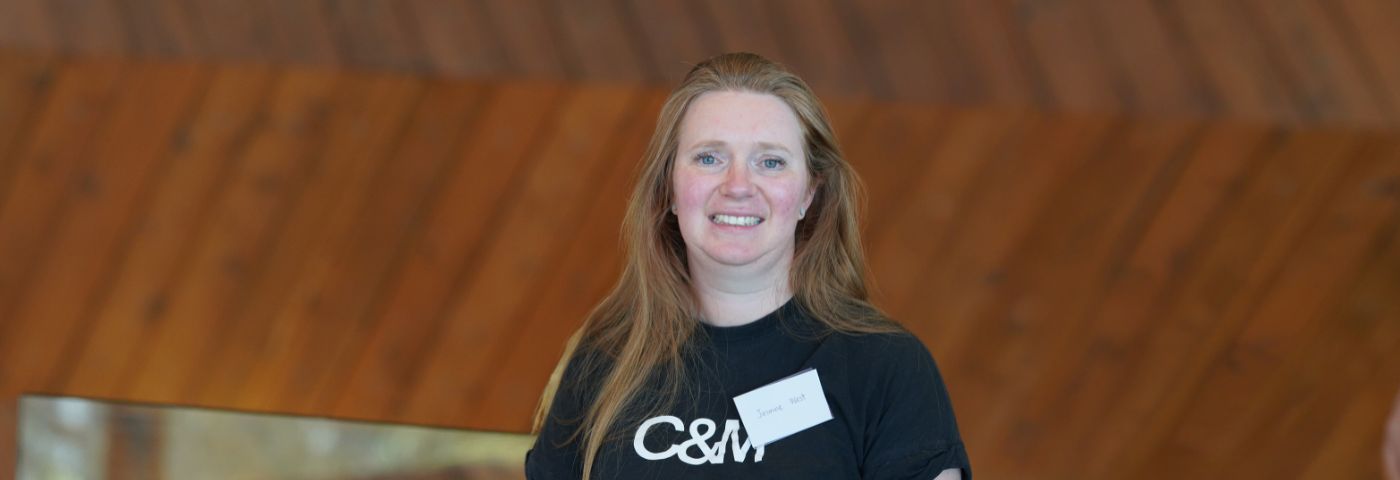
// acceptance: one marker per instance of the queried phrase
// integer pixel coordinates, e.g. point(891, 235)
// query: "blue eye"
point(706, 159)
point(773, 163)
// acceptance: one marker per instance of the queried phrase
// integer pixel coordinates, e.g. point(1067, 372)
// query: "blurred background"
point(1143, 238)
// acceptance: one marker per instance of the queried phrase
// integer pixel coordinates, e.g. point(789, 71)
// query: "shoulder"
point(586, 368)
point(873, 371)
point(881, 352)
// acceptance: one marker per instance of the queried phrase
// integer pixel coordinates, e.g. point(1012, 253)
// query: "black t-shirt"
point(892, 418)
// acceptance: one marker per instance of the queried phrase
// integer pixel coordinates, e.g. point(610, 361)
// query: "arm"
point(950, 474)
point(913, 432)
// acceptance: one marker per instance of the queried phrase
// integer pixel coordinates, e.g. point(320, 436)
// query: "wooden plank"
point(601, 43)
point(920, 222)
point(373, 33)
point(158, 28)
point(530, 39)
point(282, 301)
point(204, 154)
point(1158, 73)
point(1059, 276)
point(88, 26)
point(1340, 366)
point(1349, 449)
point(1290, 347)
point(741, 27)
point(1365, 27)
point(848, 119)
point(999, 59)
point(1235, 60)
point(25, 24)
point(1331, 252)
point(1149, 270)
point(307, 302)
point(1326, 75)
point(44, 169)
point(963, 279)
point(221, 272)
point(92, 234)
point(674, 37)
point(457, 37)
point(818, 46)
point(1069, 48)
point(1233, 271)
point(448, 247)
point(916, 48)
point(294, 31)
point(884, 155)
point(522, 252)
point(26, 82)
point(1003, 202)
point(1365, 320)
point(588, 268)
point(230, 29)
point(447, 116)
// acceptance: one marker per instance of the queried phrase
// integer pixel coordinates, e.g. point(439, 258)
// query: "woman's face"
point(740, 178)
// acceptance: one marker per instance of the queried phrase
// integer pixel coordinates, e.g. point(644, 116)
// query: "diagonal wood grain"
point(214, 282)
point(523, 362)
point(524, 250)
point(203, 153)
point(448, 247)
point(25, 85)
point(91, 236)
point(291, 295)
point(1236, 269)
point(1108, 296)
point(44, 169)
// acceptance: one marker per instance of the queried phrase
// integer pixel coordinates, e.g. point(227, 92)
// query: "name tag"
point(784, 407)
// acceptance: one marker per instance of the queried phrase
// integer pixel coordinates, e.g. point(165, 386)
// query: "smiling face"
point(740, 179)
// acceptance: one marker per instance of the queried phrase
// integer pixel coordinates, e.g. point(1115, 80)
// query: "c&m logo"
point(701, 430)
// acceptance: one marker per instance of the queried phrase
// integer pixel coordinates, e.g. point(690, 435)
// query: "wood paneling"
point(448, 246)
point(1291, 61)
point(1108, 296)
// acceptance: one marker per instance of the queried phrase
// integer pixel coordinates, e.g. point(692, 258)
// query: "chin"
point(733, 257)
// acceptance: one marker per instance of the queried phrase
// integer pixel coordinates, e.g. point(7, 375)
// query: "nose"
point(736, 181)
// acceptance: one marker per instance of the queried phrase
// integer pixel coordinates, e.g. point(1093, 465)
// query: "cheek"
point(788, 196)
point(690, 192)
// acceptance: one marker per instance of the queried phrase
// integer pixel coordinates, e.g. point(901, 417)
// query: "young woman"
point(743, 268)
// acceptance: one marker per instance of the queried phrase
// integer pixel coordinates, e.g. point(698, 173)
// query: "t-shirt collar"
point(767, 324)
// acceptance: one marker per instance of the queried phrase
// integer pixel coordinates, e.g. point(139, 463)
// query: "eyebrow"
point(765, 146)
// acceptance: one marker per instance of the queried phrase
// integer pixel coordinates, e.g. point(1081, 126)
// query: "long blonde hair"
point(640, 330)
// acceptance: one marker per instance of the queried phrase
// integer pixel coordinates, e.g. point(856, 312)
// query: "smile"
point(735, 220)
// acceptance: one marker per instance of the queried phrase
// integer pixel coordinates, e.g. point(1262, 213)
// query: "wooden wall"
point(1287, 61)
point(1108, 296)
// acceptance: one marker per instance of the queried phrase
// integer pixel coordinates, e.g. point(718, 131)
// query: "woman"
point(743, 267)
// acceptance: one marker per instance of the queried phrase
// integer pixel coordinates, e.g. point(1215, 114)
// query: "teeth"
point(735, 220)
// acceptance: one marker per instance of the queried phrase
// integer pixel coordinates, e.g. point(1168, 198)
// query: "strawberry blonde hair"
point(640, 331)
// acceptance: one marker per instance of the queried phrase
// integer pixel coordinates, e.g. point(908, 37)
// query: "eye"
point(706, 159)
point(773, 163)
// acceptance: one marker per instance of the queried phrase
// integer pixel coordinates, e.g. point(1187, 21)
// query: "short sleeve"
point(553, 455)
point(911, 433)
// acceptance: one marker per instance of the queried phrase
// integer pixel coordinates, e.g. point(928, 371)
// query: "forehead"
point(740, 118)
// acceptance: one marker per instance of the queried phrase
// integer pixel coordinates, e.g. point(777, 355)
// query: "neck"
point(730, 296)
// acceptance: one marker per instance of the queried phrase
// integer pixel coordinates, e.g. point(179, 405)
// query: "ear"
point(811, 195)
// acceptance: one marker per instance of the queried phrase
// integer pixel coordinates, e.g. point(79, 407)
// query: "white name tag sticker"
point(784, 407)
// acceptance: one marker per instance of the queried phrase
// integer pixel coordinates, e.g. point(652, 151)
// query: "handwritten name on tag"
point(784, 407)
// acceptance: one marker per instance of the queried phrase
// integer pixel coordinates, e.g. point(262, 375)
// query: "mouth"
point(735, 220)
